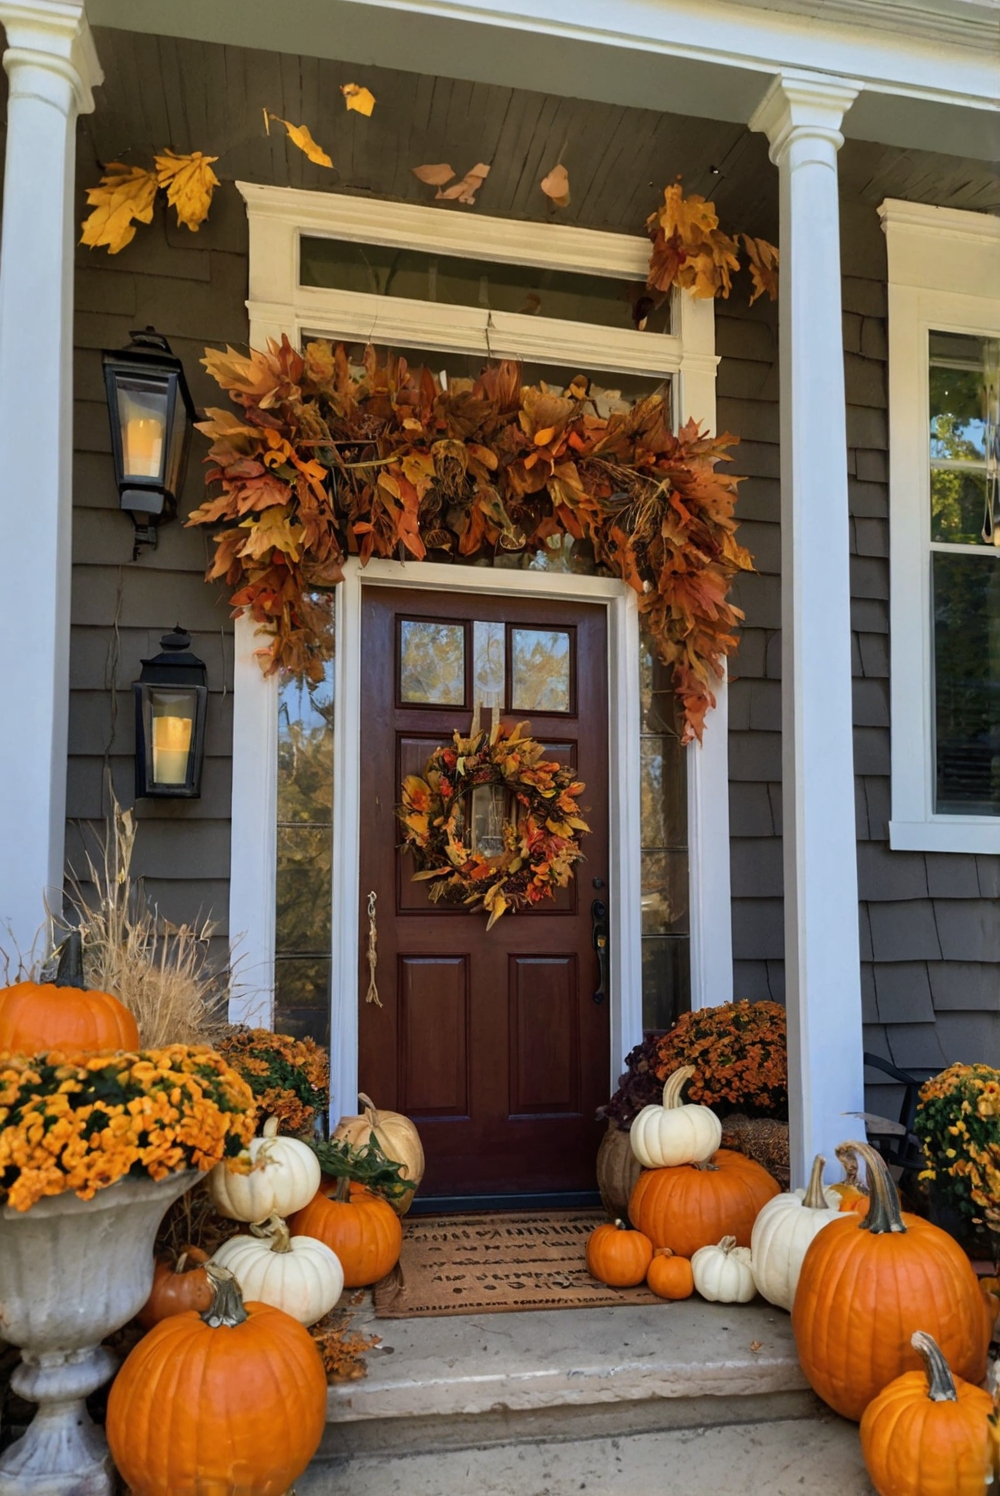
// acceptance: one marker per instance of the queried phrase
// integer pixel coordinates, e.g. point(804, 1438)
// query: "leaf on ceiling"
point(689, 248)
point(762, 259)
point(190, 183)
point(556, 186)
point(123, 197)
point(434, 176)
point(359, 98)
point(465, 190)
point(299, 135)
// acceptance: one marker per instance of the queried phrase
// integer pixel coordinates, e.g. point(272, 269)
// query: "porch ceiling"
point(705, 58)
point(197, 96)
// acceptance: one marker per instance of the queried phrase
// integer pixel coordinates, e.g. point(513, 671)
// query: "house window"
point(944, 534)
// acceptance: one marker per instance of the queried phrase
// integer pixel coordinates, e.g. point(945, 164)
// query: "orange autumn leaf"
point(190, 183)
point(299, 135)
point(556, 186)
point(762, 259)
point(465, 190)
point(358, 98)
point(123, 197)
point(690, 250)
point(434, 175)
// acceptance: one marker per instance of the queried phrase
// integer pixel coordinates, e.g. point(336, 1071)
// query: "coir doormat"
point(497, 1263)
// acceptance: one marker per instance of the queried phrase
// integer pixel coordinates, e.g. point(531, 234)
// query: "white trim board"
point(943, 265)
point(278, 305)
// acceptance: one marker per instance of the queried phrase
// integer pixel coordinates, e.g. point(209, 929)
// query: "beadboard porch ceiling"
point(192, 95)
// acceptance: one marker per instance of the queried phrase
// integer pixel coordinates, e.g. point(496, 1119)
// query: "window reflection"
point(431, 663)
point(666, 978)
point(540, 663)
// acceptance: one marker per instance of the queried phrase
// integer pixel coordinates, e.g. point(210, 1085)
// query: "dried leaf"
point(434, 176)
point(299, 135)
point(190, 183)
point(689, 248)
point(756, 1345)
point(465, 190)
point(763, 263)
point(124, 193)
point(556, 186)
point(356, 97)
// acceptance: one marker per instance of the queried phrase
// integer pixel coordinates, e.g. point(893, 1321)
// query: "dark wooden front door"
point(491, 1041)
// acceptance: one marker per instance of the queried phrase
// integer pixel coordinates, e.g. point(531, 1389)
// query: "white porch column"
point(801, 116)
point(52, 66)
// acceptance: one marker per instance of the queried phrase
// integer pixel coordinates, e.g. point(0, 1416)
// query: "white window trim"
point(277, 304)
point(943, 263)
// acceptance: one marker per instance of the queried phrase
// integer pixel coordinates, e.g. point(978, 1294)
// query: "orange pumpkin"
point(927, 1431)
point(618, 1256)
point(361, 1228)
point(695, 1205)
point(849, 1190)
point(177, 1286)
point(63, 1014)
point(867, 1285)
point(670, 1276)
point(204, 1402)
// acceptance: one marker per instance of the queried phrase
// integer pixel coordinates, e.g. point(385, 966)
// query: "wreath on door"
point(492, 823)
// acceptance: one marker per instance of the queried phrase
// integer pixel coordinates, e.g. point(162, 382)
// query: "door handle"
point(599, 924)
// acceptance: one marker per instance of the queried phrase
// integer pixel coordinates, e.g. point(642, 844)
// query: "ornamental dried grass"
point(160, 971)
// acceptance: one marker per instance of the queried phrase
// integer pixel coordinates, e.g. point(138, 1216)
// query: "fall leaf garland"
point(692, 252)
point(323, 461)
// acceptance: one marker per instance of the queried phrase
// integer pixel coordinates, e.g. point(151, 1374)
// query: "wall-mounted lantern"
point(151, 414)
point(171, 698)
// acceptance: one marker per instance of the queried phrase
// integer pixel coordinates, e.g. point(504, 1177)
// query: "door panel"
point(491, 1041)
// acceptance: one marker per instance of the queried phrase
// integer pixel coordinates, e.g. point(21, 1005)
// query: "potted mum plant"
point(958, 1124)
point(93, 1150)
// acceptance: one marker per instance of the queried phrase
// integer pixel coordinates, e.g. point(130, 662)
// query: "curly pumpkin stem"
point(371, 1110)
point(275, 1231)
point(814, 1197)
point(674, 1084)
point(69, 972)
point(884, 1213)
point(727, 1244)
point(849, 1163)
point(226, 1308)
point(940, 1382)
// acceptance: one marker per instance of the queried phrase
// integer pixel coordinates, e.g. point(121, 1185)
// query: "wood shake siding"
point(930, 934)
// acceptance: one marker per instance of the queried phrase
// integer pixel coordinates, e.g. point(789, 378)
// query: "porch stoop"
point(593, 1399)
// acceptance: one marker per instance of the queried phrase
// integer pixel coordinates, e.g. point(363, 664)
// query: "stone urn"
point(71, 1272)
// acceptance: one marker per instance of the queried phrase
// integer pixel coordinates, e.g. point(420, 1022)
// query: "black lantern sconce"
point(171, 699)
point(151, 414)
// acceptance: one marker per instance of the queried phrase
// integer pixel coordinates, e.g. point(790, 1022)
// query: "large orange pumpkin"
point(177, 1287)
point(695, 1205)
point(868, 1284)
point(927, 1431)
point(618, 1256)
point(361, 1228)
point(63, 1014)
point(228, 1403)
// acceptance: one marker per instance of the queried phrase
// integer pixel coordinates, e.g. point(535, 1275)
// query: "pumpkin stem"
point(343, 1190)
point(69, 972)
point(814, 1196)
point(181, 1263)
point(849, 1163)
point(278, 1233)
point(940, 1382)
point(675, 1083)
point(706, 1166)
point(226, 1307)
point(270, 1128)
point(884, 1214)
point(727, 1244)
point(370, 1108)
point(663, 1251)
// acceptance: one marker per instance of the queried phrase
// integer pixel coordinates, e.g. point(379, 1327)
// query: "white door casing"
point(277, 306)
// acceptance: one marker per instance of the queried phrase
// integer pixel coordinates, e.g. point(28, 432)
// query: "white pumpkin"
point(286, 1176)
point(723, 1274)
point(298, 1274)
point(675, 1133)
point(782, 1233)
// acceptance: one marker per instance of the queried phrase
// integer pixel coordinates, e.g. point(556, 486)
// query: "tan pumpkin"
point(618, 1171)
point(396, 1136)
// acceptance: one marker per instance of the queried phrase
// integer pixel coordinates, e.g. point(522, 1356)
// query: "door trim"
point(624, 870)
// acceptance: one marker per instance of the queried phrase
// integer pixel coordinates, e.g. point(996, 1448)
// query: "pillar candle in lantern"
point(171, 746)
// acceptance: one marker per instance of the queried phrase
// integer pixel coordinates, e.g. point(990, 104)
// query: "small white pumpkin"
point(723, 1274)
point(298, 1274)
point(664, 1136)
point(286, 1177)
point(782, 1233)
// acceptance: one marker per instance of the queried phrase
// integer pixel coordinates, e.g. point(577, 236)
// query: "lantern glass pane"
point(178, 442)
point(172, 717)
point(142, 415)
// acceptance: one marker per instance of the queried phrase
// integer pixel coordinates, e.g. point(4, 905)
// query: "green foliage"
point(368, 1166)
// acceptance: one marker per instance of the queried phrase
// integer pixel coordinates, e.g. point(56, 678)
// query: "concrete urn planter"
point(71, 1271)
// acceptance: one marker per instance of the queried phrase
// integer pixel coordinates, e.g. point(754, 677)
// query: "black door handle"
point(599, 923)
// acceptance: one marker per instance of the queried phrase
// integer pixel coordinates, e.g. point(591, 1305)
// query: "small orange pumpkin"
point(232, 1400)
point(849, 1189)
point(927, 1431)
point(867, 1284)
point(617, 1256)
point(63, 1013)
point(362, 1228)
point(695, 1205)
point(177, 1286)
point(670, 1276)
